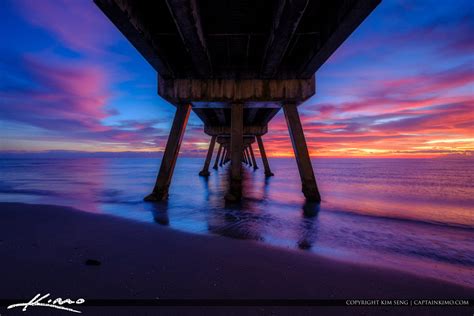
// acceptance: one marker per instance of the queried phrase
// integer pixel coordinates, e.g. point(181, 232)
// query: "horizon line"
point(159, 154)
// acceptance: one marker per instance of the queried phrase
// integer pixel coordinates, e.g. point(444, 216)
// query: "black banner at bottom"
point(252, 302)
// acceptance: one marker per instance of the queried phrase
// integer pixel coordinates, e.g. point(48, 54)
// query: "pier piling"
point(216, 162)
point(168, 162)
point(236, 144)
point(205, 170)
point(266, 165)
point(308, 181)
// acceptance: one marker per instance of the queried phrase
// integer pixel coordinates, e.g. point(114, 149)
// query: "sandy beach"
point(74, 254)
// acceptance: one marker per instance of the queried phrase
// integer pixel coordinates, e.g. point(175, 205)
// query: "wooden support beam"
point(205, 170)
point(254, 161)
point(308, 181)
point(236, 146)
point(185, 14)
point(168, 162)
point(216, 162)
point(266, 165)
point(285, 22)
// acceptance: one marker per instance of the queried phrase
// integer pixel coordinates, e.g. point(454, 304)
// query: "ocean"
point(414, 215)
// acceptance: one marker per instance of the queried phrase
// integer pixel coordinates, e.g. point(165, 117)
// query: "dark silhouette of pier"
point(236, 63)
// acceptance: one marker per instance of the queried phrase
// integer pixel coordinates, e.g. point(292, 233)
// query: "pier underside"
point(236, 63)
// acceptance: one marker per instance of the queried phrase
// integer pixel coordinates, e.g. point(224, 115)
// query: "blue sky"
point(401, 85)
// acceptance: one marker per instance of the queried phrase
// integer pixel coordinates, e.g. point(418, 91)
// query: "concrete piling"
point(308, 181)
point(216, 162)
point(266, 165)
point(168, 162)
point(236, 143)
point(205, 170)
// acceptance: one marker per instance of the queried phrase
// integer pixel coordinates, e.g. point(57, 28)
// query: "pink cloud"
point(71, 101)
point(83, 87)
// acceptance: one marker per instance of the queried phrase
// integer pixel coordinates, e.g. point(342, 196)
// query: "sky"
point(402, 85)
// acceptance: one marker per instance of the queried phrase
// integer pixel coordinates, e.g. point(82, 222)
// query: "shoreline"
point(46, 248)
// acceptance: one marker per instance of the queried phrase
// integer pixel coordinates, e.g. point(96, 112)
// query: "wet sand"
point(44, 249)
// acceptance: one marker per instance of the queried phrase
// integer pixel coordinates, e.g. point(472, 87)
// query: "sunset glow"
point(401, 86)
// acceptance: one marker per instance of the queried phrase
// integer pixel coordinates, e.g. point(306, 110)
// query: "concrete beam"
point(186, 17)
point(253, 117)
point(223, 139)
point(236, 146)
point(205, 170)
point(226, 130)
point(236, 90)
point(285, 22)
point(247, 105)
point(168, 162)
point(308, 181)
point(249, 139)
point(266, 165)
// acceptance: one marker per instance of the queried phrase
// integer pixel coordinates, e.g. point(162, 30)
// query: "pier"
point(236, 64)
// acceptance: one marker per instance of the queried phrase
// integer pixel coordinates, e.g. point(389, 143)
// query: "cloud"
point(402, 84)
point(392, 116)
point(444, 30)
point(70, 101)
point(79, 25)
